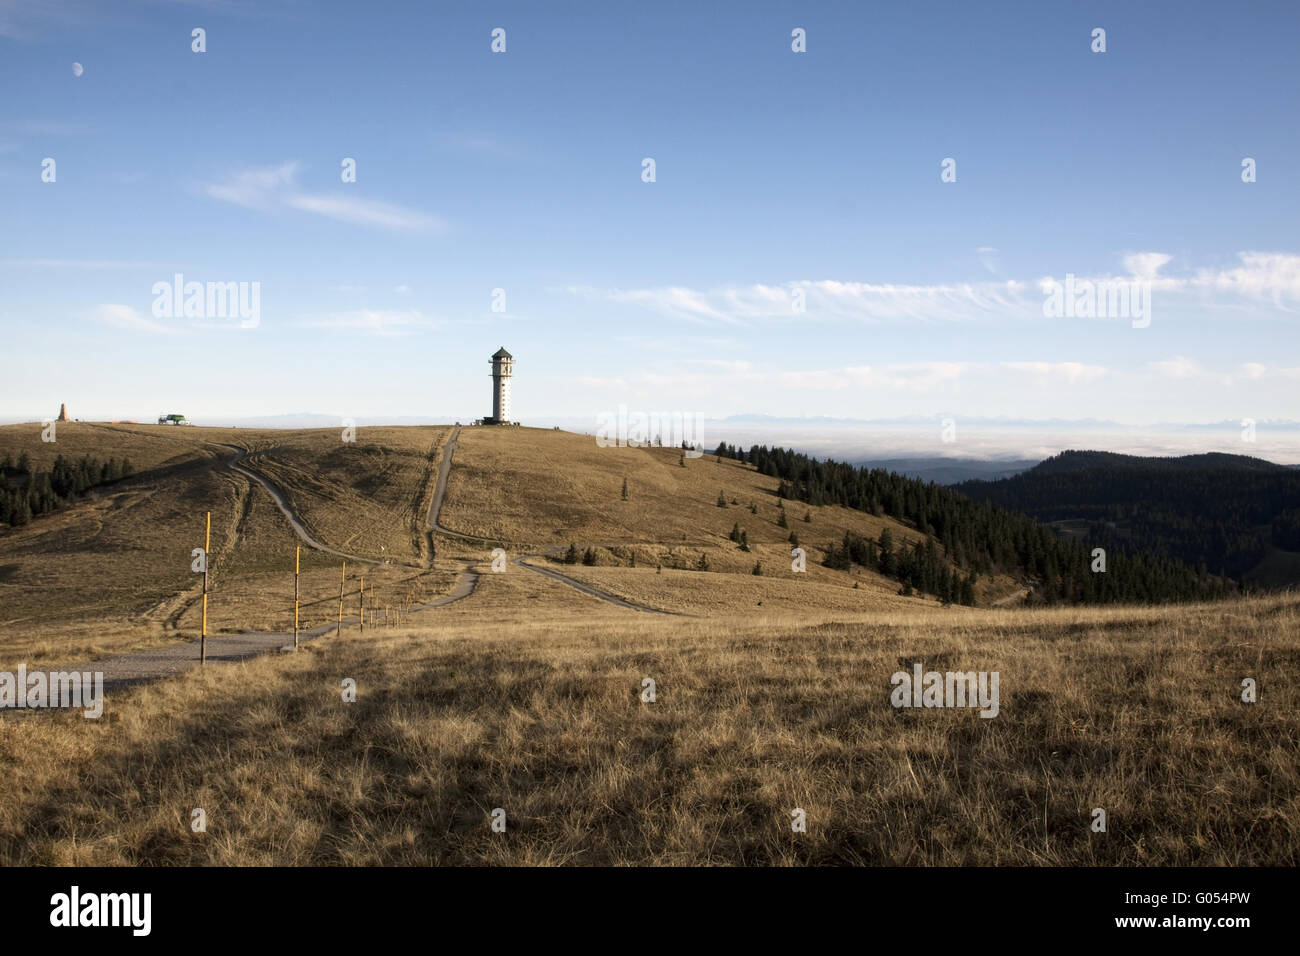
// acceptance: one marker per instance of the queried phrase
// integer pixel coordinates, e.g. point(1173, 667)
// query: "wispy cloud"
point(1182, 368)
point(675, 301)
point(125, 317)
point(24, 19)
point(376, 321)
point(1050, 373)
point(1145, 265)
point(1261, 279)
point(271, 189)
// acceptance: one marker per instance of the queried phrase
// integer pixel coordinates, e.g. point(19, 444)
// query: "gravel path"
point(123, 670)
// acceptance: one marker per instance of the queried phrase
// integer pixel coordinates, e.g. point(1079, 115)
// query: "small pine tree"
point(682, 460)
point(722, 500)
point(968, 591)
point(659, 569)
point(794, 539)
point(753, 508)
point(744, 541)
point(758, 569)
point(807, 517)
point(781, 522)
point(625, 489)
point(589, 557)
point(704, 562)
point(735, 532)
point(633, 560)
point(24, 464)
point(571, 556)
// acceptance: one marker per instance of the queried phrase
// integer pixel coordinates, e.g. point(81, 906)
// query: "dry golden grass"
point(537, 489)
point(525, 695)
point(546, 488)
point(368, 497)
point(718, 594)
point(148, 446)
point(112, 573)
point(1137, 712)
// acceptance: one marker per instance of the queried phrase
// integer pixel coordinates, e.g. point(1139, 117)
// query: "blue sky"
point(778, 175)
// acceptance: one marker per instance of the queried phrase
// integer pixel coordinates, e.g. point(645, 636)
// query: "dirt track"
point(123, 670)
point(156, 663)
point(435, 511)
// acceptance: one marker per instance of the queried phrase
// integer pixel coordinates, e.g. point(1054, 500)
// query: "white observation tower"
point(502, 368)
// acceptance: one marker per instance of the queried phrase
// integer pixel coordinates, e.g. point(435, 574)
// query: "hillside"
point(538, 491)
point(522, 689)
point(1231, 514)
point(110, 570)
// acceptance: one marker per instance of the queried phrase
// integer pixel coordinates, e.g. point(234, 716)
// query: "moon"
point(77, 69)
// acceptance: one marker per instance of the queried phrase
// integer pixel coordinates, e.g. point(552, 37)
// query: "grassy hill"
point(537, 491)
point(111, 572)
point(773, 690)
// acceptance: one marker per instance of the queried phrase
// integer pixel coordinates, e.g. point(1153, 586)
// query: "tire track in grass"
point(435, 514)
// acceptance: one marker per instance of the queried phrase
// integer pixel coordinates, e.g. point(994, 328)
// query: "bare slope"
point(537, 490)
point(113, 571)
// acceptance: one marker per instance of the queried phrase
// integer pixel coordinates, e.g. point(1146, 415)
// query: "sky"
point(798, 254)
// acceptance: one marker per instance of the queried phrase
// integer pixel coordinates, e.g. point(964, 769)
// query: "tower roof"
point(502, 353)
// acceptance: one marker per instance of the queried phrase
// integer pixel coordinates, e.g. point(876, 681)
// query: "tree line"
point(1222, 513)
point(974, 537)
point(26, 493)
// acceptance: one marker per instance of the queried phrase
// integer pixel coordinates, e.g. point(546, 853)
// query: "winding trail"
point(137, 667)
point(587, 588)
point(282, 502)
point(440, 490)
point(124, 670)
point(435, 513)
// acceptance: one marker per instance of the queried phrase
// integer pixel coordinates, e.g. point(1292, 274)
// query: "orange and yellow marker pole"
point(203, 631)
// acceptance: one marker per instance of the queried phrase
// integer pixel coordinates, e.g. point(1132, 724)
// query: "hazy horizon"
point(974, 440)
